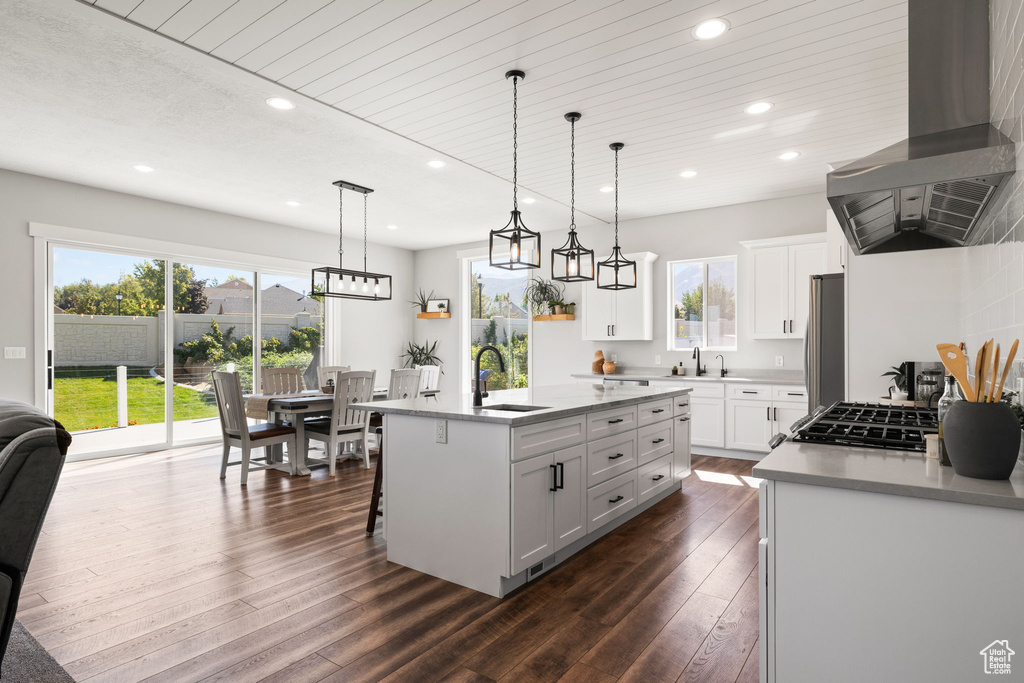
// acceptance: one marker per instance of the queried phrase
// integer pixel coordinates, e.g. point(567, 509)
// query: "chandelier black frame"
point(610, 271)
point(508, 247)
point(331, 282)
point(572, 262)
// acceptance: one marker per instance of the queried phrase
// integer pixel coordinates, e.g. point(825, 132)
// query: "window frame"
point(670, 290)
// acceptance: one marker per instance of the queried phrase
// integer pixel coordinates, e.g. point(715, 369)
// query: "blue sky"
point(72, 265)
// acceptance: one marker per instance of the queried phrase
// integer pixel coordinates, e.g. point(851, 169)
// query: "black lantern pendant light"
point(515, 247)
point(572, 262)
point(616, 271)
point(344, 283)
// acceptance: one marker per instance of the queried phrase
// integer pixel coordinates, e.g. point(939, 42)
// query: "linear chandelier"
point(572, 262)
point(515, 247)
point(345, 283)
point(616, 271)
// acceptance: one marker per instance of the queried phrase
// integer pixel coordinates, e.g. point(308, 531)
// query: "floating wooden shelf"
point(565, 316)
point(433, 315)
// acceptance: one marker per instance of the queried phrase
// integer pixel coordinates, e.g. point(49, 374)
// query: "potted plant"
point(421, 354)
point(898, 376)
point(570, 308)
point(421, 300)
point(540, 294)
point(442, 307)
point(557, 307)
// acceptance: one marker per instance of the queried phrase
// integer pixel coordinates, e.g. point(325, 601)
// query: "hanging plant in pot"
point(541, 294)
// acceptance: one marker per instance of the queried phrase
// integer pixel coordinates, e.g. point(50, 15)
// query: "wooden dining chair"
point(404, 384)
point(345, 425)
point(282, 380)
point(325, 372)
point(430, 377)
point(237, 432)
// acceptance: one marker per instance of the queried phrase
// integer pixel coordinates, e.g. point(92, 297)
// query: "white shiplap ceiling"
point(431, 72)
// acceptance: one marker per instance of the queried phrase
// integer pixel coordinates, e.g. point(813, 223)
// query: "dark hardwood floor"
point(151, 568)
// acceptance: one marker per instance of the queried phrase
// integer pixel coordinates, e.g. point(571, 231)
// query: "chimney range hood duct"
point(931, 190)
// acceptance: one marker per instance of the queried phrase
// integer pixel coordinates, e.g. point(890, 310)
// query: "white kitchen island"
point(492, 497)
point(881, 565)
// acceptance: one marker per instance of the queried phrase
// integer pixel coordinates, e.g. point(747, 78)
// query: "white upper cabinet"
point(780, 272)
point(623, 315)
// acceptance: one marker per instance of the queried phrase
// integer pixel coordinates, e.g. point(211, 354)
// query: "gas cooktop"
point(870, 425)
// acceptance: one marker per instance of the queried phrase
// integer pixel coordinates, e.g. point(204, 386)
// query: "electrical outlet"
point(779, 361)
point(615, 358)
point(657, 360)
point(16, 352)
point(441, 431)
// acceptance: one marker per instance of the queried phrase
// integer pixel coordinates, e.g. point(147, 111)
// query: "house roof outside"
point(235, 297)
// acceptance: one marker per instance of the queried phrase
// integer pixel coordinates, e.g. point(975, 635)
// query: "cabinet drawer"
point(610, 456)
point(655, 411)
point(706, 389)
point(544, 437)
point(653, 478)
point(681, 405)
point(654, 441)
point(608, 422)
point(754, 392)
point(611, 499)
point(795, 394)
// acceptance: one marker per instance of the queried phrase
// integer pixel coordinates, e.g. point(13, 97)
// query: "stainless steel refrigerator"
point(824, 345)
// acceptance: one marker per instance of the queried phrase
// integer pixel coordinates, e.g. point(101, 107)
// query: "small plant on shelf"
point(442, 308)
point(421, 300)
point(540, 294)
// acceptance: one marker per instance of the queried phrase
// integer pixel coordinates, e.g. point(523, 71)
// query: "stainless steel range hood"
point(931, 190)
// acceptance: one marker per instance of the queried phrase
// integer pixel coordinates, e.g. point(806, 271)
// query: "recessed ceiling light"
point(607, 188)
point(436, 163)
point(528, 200)
point(392, 227)
point(142, 168)
point(688, 174)
point(280, 103)
point(293, 203)
point(788, 156)
point(710, 28)
point(758, 107)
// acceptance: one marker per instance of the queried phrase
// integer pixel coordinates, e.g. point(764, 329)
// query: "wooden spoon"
point(1006, 370)
point(956, 363)
point(995, 373)
point(979, 374)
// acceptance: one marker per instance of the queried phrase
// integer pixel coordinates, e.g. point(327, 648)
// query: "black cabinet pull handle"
point(659, 410)
point(794, 393)
point(768, 414)
point(616, 456)
point(783, 326)
point(749, 392)
point(776, 414)
point(657, 440)
point(791, 327)
point(614, 422)
point(554, 478)
point(684, 419)
point(561, 475)
point(616, 499)
point(658, 478)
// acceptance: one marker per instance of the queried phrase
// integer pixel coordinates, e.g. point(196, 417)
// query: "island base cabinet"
point(653, 478)
point(570, 500)
point(864, 586)
point(681, 444)
point(609, 500)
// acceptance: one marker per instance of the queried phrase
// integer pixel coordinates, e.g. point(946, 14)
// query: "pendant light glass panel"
point(572, 262)
point(515, 247)
point(347, 283)
point(616, 272)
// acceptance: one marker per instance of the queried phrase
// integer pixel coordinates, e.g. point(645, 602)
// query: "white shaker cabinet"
point(780, 284)
point(707, 426)
point(748, 425)
point(625, 314)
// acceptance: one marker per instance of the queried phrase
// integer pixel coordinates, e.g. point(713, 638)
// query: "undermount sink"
point(513, 407)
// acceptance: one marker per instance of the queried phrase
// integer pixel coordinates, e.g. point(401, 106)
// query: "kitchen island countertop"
point(737, 377)
point(564, 400)
point(902, 473)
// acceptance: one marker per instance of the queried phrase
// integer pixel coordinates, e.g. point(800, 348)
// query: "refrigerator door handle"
point(812, 349)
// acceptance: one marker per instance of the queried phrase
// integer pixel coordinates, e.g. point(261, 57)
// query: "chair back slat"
point(430, 376)
point(358, 387)
point(227, 388)
point(404, 384)
point(325, 372)
point(282, 381)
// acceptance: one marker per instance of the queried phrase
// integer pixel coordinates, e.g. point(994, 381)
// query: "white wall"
point(558, 350)
point(372, 334)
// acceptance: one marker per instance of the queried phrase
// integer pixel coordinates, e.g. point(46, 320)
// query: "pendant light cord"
point(364, 231)
point(616, 199)
point(341, 228)
point(572, 179)
point(515, 143)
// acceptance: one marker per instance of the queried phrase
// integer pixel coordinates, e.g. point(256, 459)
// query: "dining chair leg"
point(245, 464)
point(366, 447)
point(333, 447)
point(224, 459)
point(378, 480)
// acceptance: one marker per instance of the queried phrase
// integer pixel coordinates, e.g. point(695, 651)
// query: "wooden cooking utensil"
point(956, 363)
point(995, 374)
point(979, 373)
point(1006, 370)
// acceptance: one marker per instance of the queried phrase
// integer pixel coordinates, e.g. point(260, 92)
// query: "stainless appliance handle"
point(812, 345)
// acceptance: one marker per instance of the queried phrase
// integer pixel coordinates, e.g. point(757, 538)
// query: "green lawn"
point(87, 398)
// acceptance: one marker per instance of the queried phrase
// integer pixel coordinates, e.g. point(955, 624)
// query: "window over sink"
point(702, 304)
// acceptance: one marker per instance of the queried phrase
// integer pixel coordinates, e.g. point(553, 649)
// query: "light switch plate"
point(14, 352)
point(779, 361)
point(615, 358)
point(657, 360)
point(441, 431)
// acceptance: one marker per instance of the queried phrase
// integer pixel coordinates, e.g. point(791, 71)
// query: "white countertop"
point(787, 377)
point(902, 473)
point(563, 400)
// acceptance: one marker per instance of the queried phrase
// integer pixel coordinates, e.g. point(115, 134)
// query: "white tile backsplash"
point(992, 291)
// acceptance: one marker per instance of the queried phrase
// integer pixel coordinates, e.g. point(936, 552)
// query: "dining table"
point(295, 408)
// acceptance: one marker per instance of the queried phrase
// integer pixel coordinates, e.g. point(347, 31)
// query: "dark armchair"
point(32, 450)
